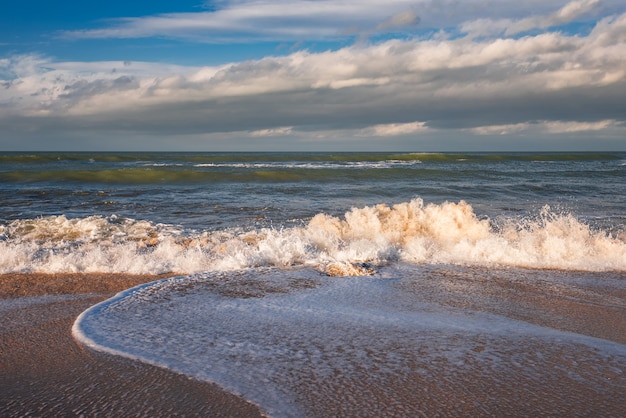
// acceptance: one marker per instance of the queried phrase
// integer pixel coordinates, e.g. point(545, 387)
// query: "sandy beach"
point(44, 372)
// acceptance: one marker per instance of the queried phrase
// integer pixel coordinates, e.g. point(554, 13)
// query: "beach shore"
point(44, 372)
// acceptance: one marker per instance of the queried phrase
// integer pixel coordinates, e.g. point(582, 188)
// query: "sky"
point(313, 75)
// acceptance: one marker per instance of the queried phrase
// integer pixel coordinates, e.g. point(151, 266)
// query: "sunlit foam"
point(348, 269)
point(414, 232)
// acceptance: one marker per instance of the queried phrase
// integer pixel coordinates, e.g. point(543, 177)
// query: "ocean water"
point(322, 284)
point(189, 213)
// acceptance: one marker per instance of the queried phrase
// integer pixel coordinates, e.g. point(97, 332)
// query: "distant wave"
point(208, 158)
point(177, 174)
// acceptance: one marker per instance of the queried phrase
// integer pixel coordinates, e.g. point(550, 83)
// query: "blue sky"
point(240, 75)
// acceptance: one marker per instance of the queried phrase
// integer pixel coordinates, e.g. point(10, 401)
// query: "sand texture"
point(45, 373)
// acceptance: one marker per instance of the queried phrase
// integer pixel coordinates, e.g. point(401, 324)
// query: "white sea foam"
point(318, 165)
point(415, 232)
point(350, 344)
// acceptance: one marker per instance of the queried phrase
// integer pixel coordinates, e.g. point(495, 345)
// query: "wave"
point(363, 240)
point(181, 175)
point(55, 157)
point(315, 165)
point(111, 176)
point(216, 158)
point(199, 168)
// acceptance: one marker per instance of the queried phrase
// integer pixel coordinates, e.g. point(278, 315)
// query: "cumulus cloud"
point(396, 88)
point(35, 85)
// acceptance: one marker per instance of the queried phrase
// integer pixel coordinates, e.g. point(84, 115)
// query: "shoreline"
point(17, 285)
point(45, 372)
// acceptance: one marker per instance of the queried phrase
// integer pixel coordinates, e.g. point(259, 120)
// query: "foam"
point(415, 232)
point(291, 349)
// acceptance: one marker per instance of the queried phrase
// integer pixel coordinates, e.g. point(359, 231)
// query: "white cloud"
point(501, 129)
point(440, 68)
point(293, 20)
point(284, 130)
point(512, 26)
point(551, 127)
point(393, 129)
point(400, 20)
point(269, 20)
point(569, 126)
point(38, 86)
point(489, 86)
point(562, 16)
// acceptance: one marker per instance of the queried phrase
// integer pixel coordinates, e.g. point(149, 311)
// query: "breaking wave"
point(354, 244)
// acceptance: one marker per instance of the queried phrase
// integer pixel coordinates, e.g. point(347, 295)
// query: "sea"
point(344, 284)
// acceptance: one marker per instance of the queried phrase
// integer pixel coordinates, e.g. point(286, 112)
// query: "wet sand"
point(44, 372)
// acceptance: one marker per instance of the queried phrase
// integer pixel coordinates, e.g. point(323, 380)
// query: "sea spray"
point(415, 232)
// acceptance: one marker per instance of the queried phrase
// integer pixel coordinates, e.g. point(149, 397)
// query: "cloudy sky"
point(368, 75)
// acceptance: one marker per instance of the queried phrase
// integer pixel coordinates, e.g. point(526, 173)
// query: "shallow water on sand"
point(404, 341)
